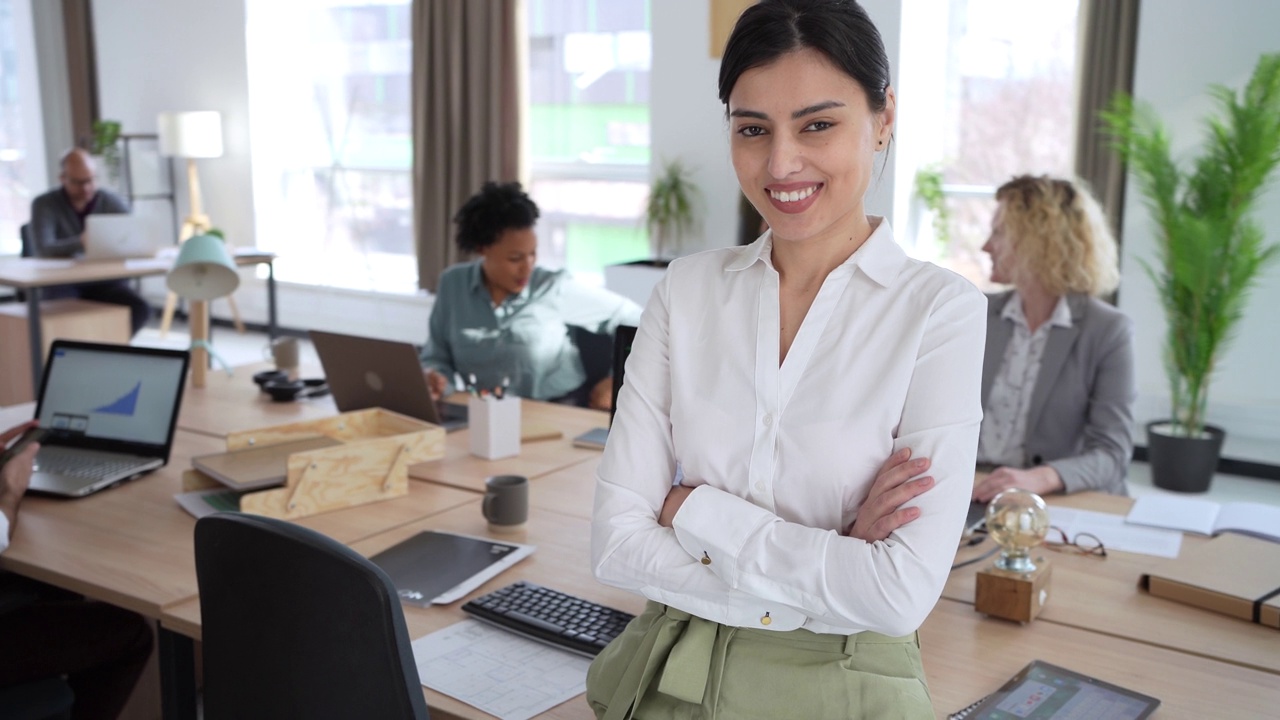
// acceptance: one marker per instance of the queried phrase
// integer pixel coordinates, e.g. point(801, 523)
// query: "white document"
point(498, 671)
point(1115, 533)
point(1207, 517)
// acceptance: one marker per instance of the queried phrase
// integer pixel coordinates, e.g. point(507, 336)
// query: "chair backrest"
point(28, 244)
point(295, 624)
point(596, 352)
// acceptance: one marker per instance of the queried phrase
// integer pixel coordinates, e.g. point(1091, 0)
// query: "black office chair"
point(48, 699)
point(596, 352)
point(297, 625)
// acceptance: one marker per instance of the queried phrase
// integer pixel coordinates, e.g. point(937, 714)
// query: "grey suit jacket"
point(1081, 415)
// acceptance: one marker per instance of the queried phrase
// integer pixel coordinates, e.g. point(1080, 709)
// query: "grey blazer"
point(1081, 415)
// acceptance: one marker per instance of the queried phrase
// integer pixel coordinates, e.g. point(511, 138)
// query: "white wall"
point(1183, 46)
point(687, 119)
point(191, 55)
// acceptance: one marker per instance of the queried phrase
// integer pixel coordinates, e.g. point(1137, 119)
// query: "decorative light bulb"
point(1017, 520)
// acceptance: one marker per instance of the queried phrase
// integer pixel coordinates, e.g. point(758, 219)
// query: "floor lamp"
point(191, 135)
point(203, 271)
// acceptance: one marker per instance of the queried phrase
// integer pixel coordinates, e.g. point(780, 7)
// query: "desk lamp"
point(203, 271)
point(194, 136)
point(1016, 587)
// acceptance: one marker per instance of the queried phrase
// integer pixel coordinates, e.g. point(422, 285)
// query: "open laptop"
point(367, 372)
point(110, 410)
point(117, 237)
point(623, 337)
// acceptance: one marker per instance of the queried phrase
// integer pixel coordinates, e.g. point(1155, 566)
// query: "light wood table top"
point(568, 490)
point(965, 654)
point(228, 404)
point(1102, 595)
point(459, 468)
point(34, 272)
point(129, 545)
point(132, 545)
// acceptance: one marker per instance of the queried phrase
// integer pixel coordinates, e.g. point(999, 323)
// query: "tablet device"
point(435, 568)
point(1041, 691)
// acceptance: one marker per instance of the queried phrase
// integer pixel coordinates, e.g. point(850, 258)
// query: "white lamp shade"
point(190, 134)
point(204, 269)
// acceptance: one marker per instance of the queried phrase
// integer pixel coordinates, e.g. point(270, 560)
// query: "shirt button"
point(768, 420)
point(706, 559)
point(766, 619)
point(759, 487)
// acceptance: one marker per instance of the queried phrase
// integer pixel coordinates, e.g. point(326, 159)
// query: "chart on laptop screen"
point(111, 395)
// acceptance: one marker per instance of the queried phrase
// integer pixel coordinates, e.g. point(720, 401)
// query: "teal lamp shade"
point(204, 269)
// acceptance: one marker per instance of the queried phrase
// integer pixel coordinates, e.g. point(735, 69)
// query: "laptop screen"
point(115, 394)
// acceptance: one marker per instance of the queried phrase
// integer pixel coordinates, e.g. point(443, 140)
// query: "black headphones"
point(277, 384)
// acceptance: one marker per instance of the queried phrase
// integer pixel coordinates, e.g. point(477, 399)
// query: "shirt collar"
point(1061, 316)
point(879, 258)
point(475, 280)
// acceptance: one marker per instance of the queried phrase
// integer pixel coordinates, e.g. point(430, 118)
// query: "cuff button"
point(766, 619)
point(706, 559)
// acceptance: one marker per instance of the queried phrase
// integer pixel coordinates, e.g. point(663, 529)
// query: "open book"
point(1207, 517)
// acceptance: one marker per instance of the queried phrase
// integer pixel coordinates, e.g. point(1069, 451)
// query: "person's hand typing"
point(882, 512)
point(1041, 480)
point(436, 384)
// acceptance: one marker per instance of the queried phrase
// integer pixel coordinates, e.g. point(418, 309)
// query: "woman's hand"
point(675, 498)
point(882, 512)
point(436, 384)
point(601, 397)
point(1041, 480)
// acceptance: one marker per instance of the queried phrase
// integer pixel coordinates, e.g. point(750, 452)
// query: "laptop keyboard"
point(552, 616)
point(89, 465)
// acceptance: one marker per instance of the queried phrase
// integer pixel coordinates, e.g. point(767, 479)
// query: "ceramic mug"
point(506, 502)
point(283, 351)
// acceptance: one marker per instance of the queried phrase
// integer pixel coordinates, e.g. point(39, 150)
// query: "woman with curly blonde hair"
point(1058, 378)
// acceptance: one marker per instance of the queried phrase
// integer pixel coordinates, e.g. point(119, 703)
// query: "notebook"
point(623, 337)
point(1041, 691)
point(435, 568)
point(117, 237)
point(254, 468)
point(1206, 517)
point(111, 411)
point(367, 372)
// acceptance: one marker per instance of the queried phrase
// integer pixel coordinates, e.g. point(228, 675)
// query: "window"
point(589, 131)
point(22, 171)
point(330, 127)
point(1004, 71)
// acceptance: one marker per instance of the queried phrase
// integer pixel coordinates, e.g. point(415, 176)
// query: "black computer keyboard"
point(551, 616)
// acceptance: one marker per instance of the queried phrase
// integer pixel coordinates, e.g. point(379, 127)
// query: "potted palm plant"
point(1209, 251)
point(671, 211)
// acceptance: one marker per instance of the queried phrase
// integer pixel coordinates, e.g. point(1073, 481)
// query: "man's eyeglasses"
point(1083, 543)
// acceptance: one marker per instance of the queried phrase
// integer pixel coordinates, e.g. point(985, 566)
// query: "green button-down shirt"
point(524, 340)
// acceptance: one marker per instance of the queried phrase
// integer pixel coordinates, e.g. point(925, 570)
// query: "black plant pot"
point(1184, 464)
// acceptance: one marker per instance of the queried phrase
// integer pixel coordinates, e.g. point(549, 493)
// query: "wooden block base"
point(71, 319)
point(1012, 595)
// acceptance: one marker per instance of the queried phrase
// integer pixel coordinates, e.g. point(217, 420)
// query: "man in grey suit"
point(1058, 378)
point(57, 231)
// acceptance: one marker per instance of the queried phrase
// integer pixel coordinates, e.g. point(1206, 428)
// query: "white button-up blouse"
point(888, 356)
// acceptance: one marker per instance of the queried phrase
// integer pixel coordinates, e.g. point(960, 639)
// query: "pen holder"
point(494, 425)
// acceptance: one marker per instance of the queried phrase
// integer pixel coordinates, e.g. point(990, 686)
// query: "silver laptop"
point(117, 237)
point(367, 372)
point(111, 411)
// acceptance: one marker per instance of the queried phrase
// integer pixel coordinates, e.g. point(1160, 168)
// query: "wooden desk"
point(567, 490)
point(459, 468)
point(965, 654)
point(1102, 595)
point(32, 274)
point(228, 404)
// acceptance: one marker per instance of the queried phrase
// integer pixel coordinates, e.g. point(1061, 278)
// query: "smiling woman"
point(791, 566)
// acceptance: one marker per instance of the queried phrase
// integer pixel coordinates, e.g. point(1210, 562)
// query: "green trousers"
point(671, 665)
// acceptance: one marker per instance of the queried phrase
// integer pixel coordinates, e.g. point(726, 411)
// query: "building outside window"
point(989, 93)
point(22, 158)
point(588, 134)
point(330, 127)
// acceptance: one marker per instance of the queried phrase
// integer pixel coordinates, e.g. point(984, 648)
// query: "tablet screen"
point(1047, 692)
